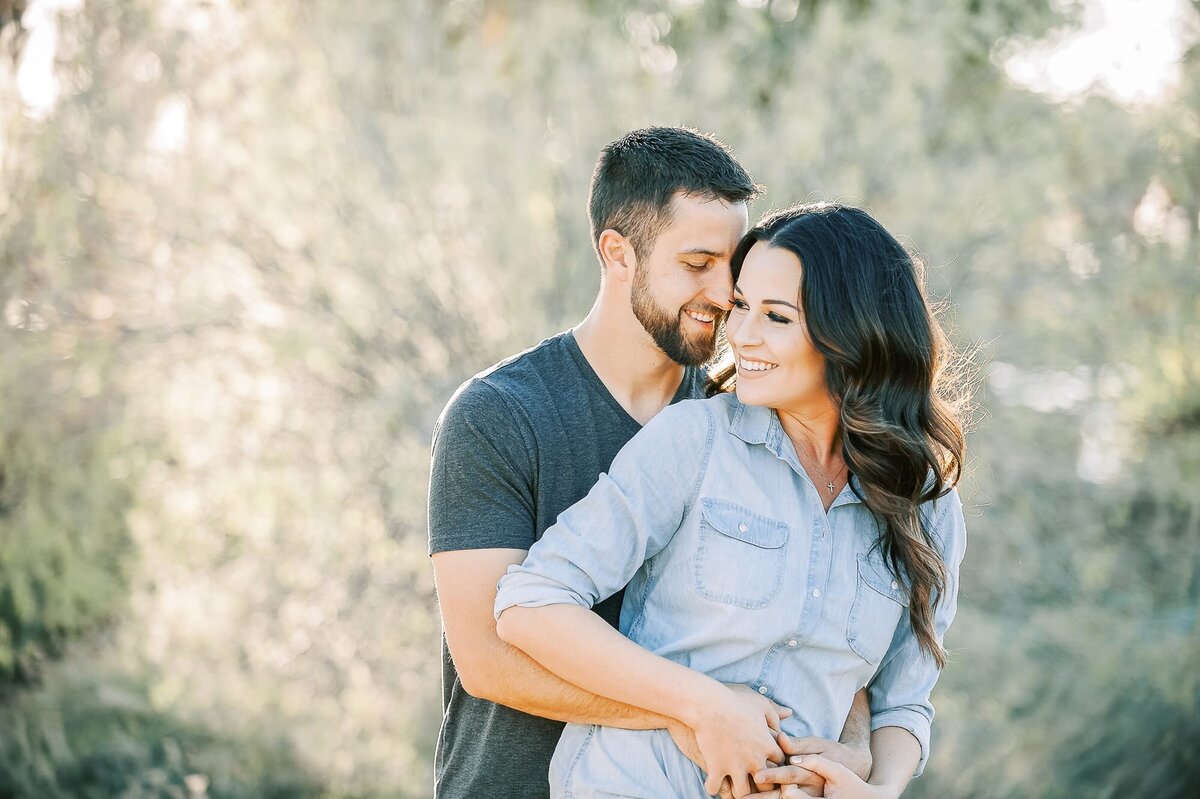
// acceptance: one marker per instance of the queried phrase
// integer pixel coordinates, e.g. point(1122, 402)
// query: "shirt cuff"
point(530, 591)
point(911, 720)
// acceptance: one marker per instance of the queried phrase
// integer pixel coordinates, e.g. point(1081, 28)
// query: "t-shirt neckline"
point(681, 392)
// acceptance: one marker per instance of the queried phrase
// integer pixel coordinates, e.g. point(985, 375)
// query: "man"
point(522, 441)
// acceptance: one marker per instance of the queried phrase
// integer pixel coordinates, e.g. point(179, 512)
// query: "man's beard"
point(667, 331)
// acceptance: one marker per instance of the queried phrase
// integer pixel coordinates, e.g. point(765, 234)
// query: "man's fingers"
point(726, 789)
point(741, 785)
point(808, 745)
point(711, 785)
point(797, 792)
point(790, 775)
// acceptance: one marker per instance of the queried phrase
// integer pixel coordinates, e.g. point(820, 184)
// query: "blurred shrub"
point(92, 734)
point(249, 250)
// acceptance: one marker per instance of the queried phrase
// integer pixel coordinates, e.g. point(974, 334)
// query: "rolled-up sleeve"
point(632, 512)
point(899, 692)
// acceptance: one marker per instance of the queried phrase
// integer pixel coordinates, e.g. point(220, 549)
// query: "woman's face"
point(777, 364)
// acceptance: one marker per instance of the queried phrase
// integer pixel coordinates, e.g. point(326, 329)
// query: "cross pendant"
point(830, 487)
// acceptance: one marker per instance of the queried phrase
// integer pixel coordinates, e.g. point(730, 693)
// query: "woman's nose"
point(742, 329)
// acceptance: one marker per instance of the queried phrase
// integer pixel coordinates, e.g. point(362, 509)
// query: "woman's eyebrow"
point(738, 290)
point(781, 302)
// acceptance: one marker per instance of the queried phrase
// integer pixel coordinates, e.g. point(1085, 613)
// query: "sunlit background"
point(247, 250)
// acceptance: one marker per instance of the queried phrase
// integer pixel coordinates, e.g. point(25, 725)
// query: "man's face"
point(682, 287)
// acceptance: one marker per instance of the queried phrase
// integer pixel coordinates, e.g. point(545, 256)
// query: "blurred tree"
point(248, 251)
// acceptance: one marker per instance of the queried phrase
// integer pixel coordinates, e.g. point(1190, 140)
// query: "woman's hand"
point(735, 732)
point(840, 782)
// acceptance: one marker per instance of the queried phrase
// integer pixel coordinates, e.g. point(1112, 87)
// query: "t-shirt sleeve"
point(628, 517)
point(481, 480)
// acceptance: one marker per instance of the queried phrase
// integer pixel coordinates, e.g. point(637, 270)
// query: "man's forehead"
point(704, 225)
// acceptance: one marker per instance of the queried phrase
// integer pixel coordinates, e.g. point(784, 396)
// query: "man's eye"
point(697, 267)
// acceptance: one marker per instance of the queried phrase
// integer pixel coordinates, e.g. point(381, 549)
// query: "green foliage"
point(89, 734)
point(251, 248)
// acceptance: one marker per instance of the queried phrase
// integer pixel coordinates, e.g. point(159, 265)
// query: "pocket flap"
point(736, 522)
point(876, 574)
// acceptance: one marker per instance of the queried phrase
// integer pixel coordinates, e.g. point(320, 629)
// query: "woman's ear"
point(617, 255)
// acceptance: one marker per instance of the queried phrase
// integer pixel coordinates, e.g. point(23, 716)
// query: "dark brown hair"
point(638, 175)
point(885, 367)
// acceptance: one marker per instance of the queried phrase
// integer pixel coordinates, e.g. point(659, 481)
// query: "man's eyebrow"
point(700, 251)
point(738, 289)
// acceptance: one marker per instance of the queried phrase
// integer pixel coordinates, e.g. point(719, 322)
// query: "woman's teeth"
point(755, 366)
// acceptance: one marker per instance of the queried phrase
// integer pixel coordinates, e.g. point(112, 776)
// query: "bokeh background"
point(248, 249)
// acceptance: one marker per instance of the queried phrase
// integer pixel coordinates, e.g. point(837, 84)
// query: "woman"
point(802, 537)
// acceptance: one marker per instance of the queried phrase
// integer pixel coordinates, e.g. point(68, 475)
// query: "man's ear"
point(616, 251)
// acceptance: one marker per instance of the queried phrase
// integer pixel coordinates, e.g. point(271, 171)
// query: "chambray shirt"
point(735, 569)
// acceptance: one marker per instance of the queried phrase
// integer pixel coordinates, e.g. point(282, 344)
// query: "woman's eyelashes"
point(740, 304)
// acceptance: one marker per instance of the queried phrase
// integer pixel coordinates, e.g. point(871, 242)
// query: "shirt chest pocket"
point(879, 604)
point(741, 556)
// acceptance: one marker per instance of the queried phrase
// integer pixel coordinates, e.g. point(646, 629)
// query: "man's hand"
point(856, 760)
point(840, 782)
point(685, 739)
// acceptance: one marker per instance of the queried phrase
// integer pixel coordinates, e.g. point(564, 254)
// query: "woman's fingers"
point(772, 714)
point(741, 786)
point(833, 772)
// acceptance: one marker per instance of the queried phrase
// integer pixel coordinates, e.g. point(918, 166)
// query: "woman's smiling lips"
point(751, 366)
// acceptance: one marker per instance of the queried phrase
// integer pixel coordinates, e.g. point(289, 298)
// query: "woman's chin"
point(751, 395)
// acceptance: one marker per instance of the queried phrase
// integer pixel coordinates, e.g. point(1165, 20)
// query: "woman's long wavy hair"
point(886, 361)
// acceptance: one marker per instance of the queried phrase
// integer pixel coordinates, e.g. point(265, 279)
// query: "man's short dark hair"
point(637, 176)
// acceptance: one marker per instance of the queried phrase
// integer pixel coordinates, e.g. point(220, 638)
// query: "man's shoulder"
point(719, 408)
point(498, 392)
point(513, 378)
point(693, 418)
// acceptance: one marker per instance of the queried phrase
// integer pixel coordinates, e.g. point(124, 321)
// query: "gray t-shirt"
point(516, 445)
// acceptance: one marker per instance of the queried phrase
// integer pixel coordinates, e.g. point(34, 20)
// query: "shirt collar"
point(758, 424)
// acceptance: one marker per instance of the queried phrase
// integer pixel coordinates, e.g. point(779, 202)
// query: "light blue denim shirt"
point(735, 570)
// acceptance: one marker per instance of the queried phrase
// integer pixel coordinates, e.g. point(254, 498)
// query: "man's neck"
point(639, 375)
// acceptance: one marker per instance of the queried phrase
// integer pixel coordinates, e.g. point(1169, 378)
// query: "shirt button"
point(792, 643)
point(895, 585)
point(817, 592)
point(762, 690)
point(742, 527)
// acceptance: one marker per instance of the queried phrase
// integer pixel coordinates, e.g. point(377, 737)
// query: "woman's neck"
point(816, 430)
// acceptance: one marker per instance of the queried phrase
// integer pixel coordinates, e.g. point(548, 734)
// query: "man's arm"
point(493, 670)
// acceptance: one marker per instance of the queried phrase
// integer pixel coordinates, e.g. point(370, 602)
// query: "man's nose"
point(720, 290)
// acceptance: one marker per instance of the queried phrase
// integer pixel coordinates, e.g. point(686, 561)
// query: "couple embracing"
point(751, 598)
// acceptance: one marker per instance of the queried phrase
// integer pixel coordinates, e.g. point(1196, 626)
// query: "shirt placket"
point(820, 562)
